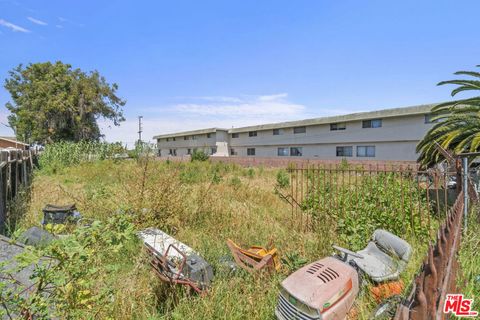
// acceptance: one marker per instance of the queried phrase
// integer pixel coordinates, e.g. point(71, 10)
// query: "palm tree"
point(457, 123)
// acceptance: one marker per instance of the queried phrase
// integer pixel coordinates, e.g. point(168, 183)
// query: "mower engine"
point(325, 289)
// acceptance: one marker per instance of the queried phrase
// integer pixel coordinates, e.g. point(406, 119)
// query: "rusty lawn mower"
point(326, 289)
point(176, 263)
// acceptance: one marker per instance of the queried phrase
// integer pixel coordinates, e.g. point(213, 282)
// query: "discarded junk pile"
point(54, 214)
point(326, 289)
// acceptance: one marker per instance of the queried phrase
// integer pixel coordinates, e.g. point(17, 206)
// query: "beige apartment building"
point(390, 134)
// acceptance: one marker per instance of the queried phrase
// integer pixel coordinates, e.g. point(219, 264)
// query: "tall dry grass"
point(202, 204)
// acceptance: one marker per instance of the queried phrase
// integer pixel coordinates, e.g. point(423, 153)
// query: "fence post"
point(465, 192)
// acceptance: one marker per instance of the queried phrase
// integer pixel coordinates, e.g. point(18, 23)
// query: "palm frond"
point(468, 73)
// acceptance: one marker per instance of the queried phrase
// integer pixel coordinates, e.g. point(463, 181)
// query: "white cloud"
point(36, 21)
point(221, 99)
point(12, 26)
point(273, 97)
point(206, 112)
point(59, 26)
point(246, 106)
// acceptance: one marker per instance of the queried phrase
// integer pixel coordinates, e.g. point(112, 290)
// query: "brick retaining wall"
point(285, 162)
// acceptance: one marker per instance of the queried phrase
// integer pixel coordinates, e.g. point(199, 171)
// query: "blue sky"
point(193, 64)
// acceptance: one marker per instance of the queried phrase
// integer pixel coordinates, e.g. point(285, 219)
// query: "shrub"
point(283, 180)
point(250, 172)
point(235, 182)
point(199, 155)
point(74, 286)
point(376, 206)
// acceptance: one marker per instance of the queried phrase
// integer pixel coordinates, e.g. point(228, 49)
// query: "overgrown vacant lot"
point(105, 274)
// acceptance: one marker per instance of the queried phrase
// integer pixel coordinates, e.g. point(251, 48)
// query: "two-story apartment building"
point(390, 134)
point(211, 140)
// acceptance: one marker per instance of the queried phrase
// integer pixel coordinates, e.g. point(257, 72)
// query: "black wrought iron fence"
point(404, 197)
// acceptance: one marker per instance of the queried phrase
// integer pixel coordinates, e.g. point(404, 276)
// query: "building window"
point(278, 132)
point(173, 139)
point(189, 151)
point(338, 126)
point(209, 135)
point(168, 139)
point(233, 152)
point(375, 123)
point(429, 118)
point(173, 152)
point(282, 152)
point(235, 135)
point(296, 151)
point(214, 150)
point(366, 151)
point(299, 130)
point(344, 151)
point(250, 151)
point(194, 137)
point(185, 138)
point(252, 133)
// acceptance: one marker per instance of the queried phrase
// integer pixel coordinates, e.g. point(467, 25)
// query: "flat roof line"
point(187, 133)
point(384, 113)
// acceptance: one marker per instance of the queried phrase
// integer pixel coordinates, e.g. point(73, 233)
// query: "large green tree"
point(457, 126)
point(53, 102)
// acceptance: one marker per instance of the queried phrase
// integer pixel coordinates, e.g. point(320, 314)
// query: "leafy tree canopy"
point(53, 102)
point(457, 123)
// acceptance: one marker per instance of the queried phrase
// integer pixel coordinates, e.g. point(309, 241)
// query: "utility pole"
point(140, 129)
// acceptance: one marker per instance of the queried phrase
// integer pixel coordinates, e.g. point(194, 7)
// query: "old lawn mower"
point(176, 263)
point(326, 289)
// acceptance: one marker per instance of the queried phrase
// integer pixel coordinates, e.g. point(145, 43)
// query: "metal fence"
point(438, 273)
point(417, 199)
point(16, 168)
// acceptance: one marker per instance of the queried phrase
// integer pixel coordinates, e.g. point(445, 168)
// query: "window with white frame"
point(233, 152)
point(374, 123)
point(365, 151)
point(282, 152)
point(299, 130)
point(252, 133)
point(278, 132)
point(235, 135)
point(296, 151)
point(338, 126)
point(344, 151)
point(250, 151)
